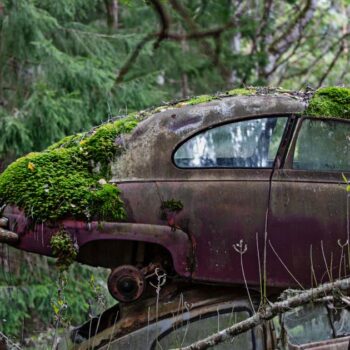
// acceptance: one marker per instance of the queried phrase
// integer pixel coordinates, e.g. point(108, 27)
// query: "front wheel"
point(126, 283)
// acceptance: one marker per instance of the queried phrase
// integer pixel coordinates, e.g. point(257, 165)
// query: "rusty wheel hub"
point(126, 283)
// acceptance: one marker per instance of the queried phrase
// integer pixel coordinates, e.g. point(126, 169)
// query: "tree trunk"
point(112, 8)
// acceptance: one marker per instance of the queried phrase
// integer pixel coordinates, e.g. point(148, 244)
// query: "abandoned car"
point(185, 315)
point(243, 187)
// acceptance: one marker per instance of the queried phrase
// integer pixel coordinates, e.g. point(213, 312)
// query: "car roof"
point(151, 142)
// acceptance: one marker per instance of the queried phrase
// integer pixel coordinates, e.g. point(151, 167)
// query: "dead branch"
point(182, 11)
point(164, 21)
point(8, 236)
point(340, 41)
point(132, 58)
point(160, 36)
point(332, 64)
point(294, 29)
point(270, 311)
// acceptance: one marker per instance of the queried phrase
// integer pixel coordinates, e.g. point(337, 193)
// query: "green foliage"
point(58, 65)
point(31, 287)
point(65, 180)
point(172, 205)
point(330, 102)
point(59, 61)
point(63, 249)
point(347, 182)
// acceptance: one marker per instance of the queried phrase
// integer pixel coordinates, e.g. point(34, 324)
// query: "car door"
point(222, 180)
point(308, 227)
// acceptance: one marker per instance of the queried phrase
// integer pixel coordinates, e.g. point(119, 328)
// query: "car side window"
point(323, 145)
point(194, 330)
point(308, 323)
point(249, 143)
point(313, 322)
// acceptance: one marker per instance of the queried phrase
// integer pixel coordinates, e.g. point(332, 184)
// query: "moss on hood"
point(69, 179)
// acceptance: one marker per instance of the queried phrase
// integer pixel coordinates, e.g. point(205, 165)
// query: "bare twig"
point(164, 21)
point(332, 64)
point(165, 34)
point(241, 249)
point(285, 266)
point(325, 262)
point(8, 341)
point(133, 56)
point(295, 28)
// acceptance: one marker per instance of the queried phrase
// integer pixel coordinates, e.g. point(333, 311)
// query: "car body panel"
point(307, 214)
point(37, 239)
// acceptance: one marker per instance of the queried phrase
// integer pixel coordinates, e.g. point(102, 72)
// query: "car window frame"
point(289, 116)
point(184, 323)
point(288, 162)
point(284, 336)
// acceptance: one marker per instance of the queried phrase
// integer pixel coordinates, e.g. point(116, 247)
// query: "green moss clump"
point(330, 102)
point(101, 147)
point(62, 181)
point(67, 142)
point(241, 92)
point(106, 203)
point(200, 99)
point(63, 249)
point(172, 205)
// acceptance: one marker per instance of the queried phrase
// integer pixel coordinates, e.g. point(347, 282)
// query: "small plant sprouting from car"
point(64, 249)
point(172, 205)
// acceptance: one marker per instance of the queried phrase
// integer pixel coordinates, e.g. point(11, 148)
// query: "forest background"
point(68, 65)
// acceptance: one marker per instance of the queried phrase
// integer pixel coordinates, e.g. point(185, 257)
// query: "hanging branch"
point(164, 21)
point(332, 64)
point(270, 311)
point(132, 58)
point(165, 34)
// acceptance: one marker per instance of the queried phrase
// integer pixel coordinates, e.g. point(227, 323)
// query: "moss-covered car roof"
point(70, 178)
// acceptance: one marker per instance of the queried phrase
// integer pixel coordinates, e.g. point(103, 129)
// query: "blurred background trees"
point(67, 65)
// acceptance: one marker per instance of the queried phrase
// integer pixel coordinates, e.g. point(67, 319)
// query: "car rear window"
point(323, 145)
point(249, 143)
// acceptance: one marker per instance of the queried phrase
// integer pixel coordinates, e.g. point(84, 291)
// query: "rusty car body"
point(216, 193)
point(184, 315)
